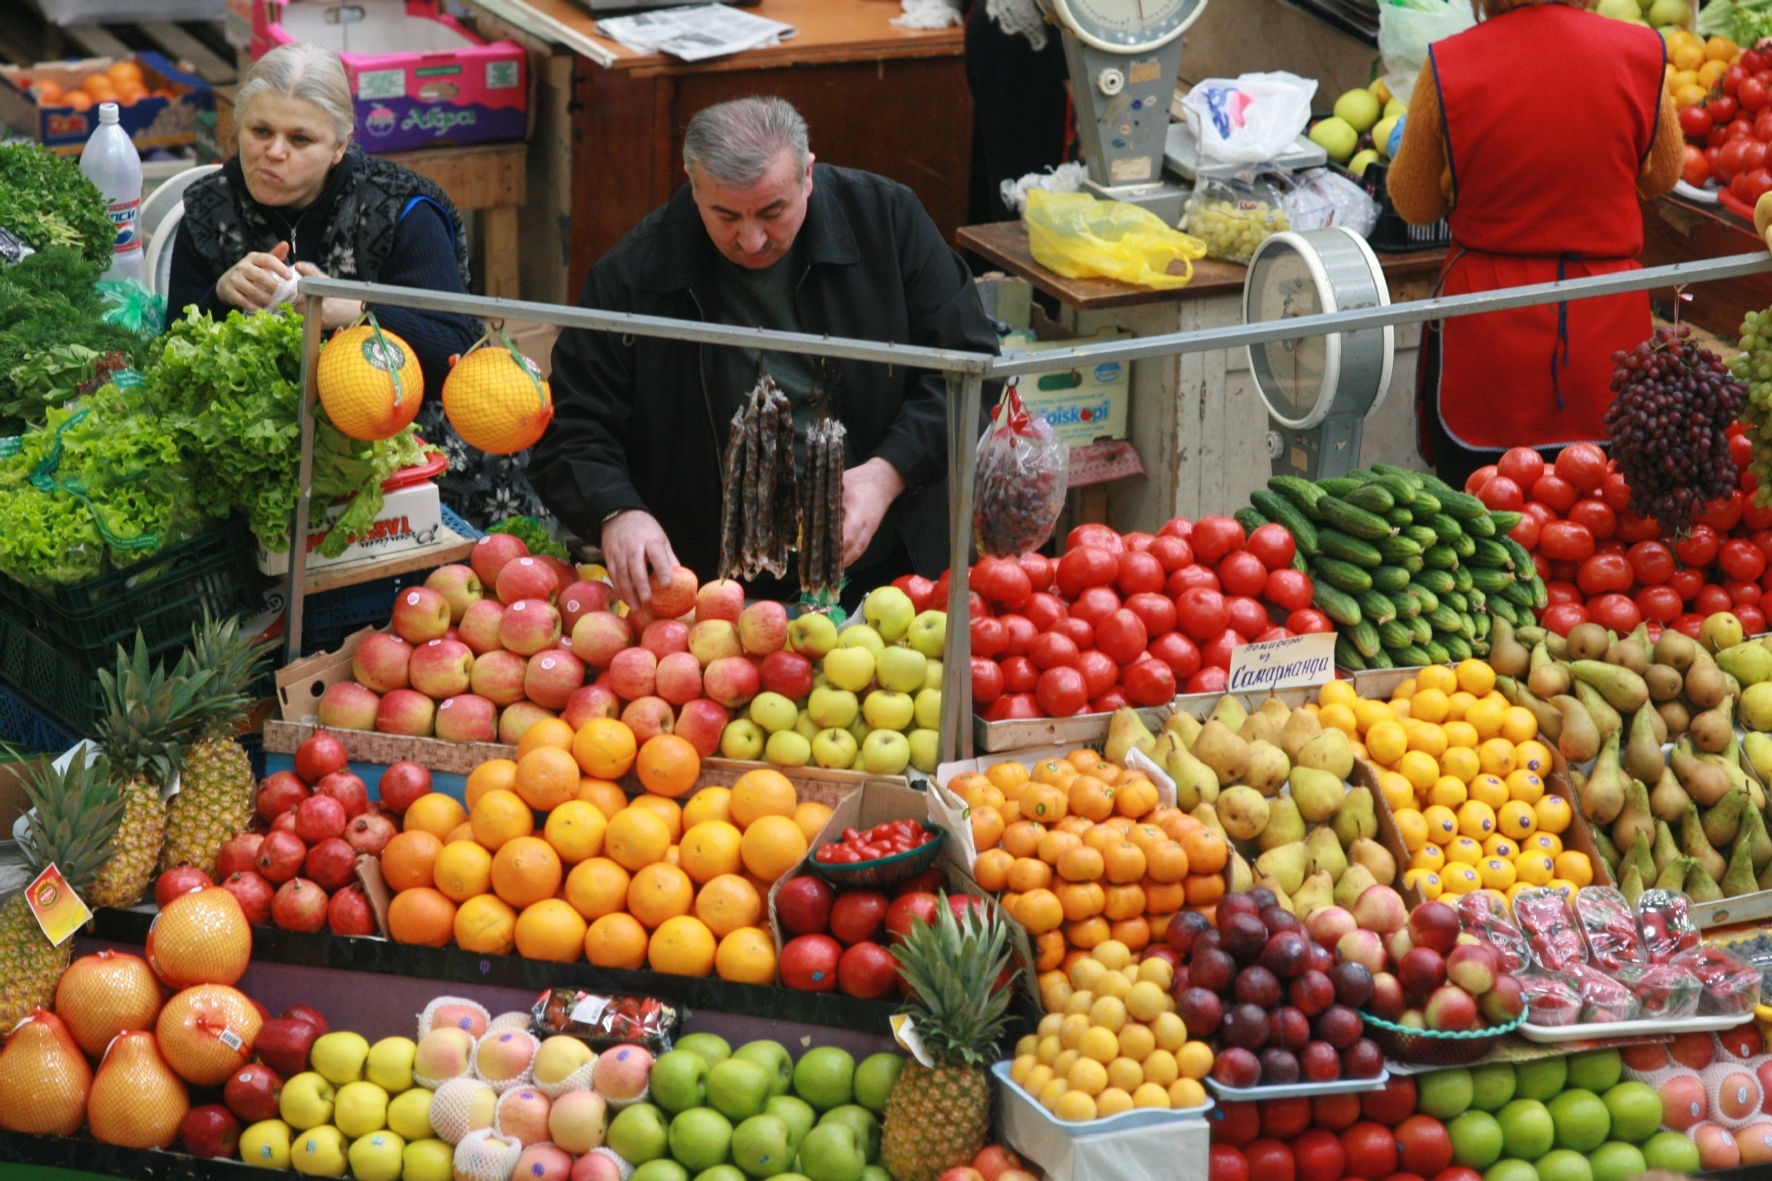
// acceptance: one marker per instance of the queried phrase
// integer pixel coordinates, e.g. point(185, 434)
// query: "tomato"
point(1019, 674)
point(1563, 616)
point(1597, 515)
point(1214, 537)
point(1189, 577)
point(1094, 605)
point(1207, 680)
point(1563, 592)
point(1474, 482)
point(1274, 545)
point(1019, 631)
point(1544, 514)
point(1753, 619)
point(1149, 682)
point(1289, 589)
point(1615, 492)
point(1743, 594)
point(918, 589)
point(1741, 449)
point(1711, 599)
point(1084, 567)
point(1751, 94)
point(1541, 566)
point(1633, 528)
point(1053, 650)
point(1687, 582)
point(1732, 79)
point(1689, 624)
point(1741, 560)
point(1177, 527)
point(1216, 652)
point(1729, 159)
point(1611, 546)
point(1696, 122)
point(1107, 703)
point(1121, 636)
point(987, 681)
point(1651, 562)
point(1060, 692)
point(1754, 516)
point(1738, 186)
point(1723, 108)
point(1566, 541)
point(989, 637)
point(1157, 611)
point(1043, 610)
point(1501, 495)
point(1694, 167)
point(1583, 465)
point(1137, 543)
point(1178, 652)
point(1308, 621)
point(1201, 613)
point(1605, 572)
point(1100, 673)
point(1699, 548)
point(1097, 535)
point(1247, 616)
point(1660, 603)
point(1526, 532)
point(1242, 573)
point(1563, 571)
point(1753, 155)
point(1722, 515)
point(1013, 707)
point(1615, 611)
point(1002, 581)
point(1553, 491)
point(1140, 572)
point(1078, 631)
point(1039, 568)
point(1752, 61)
point(1172, 552)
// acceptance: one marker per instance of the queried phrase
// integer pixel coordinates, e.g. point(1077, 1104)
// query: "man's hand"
point(632, 541)
point(252, 282)
point(334, 312)
point(868, 491)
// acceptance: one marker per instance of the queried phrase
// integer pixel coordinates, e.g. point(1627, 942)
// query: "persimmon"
point(1081, 864)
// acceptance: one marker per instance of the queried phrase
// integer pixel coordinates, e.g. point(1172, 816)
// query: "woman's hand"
point(334, 313)
point(253, 281)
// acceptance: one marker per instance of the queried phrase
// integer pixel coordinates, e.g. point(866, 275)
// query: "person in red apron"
point(1534, 134)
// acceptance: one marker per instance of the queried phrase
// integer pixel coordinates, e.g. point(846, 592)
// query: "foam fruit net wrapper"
point(1549, 925)
point(481, 1156)
point(1663, 991)
point(1486, 917)
point(603, 1022)
point(1665, 919)
point(458, 1107)
point(1610, 928)
point(1730, 986)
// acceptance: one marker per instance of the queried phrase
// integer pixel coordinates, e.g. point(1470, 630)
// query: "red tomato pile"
point(1601, 562)
point(882, 840)
point(1727, 135)
point(1129, 620)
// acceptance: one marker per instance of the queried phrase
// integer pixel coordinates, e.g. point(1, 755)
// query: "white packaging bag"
point(1250, 119)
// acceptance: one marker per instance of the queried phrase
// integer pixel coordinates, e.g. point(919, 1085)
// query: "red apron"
point(1549, 113)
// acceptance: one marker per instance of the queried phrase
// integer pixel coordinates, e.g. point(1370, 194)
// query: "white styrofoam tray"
point(1340, 1086)
point(1552, 1034)
point(1138, 1117)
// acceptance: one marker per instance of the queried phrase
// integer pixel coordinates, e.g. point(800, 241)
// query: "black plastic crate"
point(57, 682)
point(1393, 235)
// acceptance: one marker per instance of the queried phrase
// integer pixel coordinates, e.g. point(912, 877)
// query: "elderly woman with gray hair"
point(299, 198)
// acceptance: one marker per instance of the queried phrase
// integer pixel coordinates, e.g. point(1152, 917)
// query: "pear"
point(1354, 881)
point(1634, 819)
point(1631, 884)
point(1674, 876)
point(1739, 878)
point(1550, 718)
point(1642, 754)
point(1284, 825)
point(1675, 649)
point(1579, 739)
point(1603, 844)
point(1127, 732)
point(1675, 717)
point(1701, 884)
point(1664, 851)
point(1286, 863)
point(1229, 713)
point(1548, 678)
point(1244, 812)
point(1602, 797)
point(1664, 682)
point(1749, 663)
point(1606, 719)
point(1185, 727)
point(1195, 782)
point(1589, 641)
point(1274, 886)
point(1507, 655)
point(1268, 765)
point(1639, 855)
point(1207, 814)
point(1319, 794)
point(1667, 799)
point(1707, 686)
point(1326, 852)
point(1219, 748)
point(1317, 892)
point(1756, 711)
point(1356, 818)
point(1622, 689)
point(1559, 647)
point(1694, 845)
point(1276, 709)
point(1723, 821)
point(1259, 727)
point(1713, 730)
point(1632, 652)
point(1658, 724)
point(1328, 751)
point(1704, 782)
point(1753, 831)
point(1242, 880)
point(1376, 858)
point(1300, 728)
point(1765, 879)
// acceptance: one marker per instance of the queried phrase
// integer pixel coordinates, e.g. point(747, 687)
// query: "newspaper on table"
point(695, 33)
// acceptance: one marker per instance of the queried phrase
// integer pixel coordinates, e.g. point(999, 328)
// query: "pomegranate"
point(103, 994)
point(281, 791)
point(254, 894)
point(331, 864)
point(299, 905)
point(349, 914)
point(370, 833)
point(319, 757)
point(182, 879)
point(281, 854)
point(347, 789)
point(238, 854)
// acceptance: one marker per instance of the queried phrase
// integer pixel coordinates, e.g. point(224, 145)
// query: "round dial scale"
point(1126, 26)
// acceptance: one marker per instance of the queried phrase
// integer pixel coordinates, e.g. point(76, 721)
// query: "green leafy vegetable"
point(533, 534)
point(46, 201)
point(1744, 22)
point(49, 302)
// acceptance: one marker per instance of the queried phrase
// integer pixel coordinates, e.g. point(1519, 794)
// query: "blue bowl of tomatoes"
point(883, 855)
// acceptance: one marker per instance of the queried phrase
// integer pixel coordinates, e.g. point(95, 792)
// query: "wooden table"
point(1196, 420)
point(1678, 230)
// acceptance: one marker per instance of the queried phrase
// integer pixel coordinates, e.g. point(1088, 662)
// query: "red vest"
point(1549, 113)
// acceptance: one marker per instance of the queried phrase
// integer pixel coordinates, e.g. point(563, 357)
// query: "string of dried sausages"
point(758, 494)
point(821, 509)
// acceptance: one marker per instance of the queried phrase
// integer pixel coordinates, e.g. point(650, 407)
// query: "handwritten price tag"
point(1282, 664)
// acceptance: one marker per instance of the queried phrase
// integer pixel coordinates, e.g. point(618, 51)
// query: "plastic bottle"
point(111, 162)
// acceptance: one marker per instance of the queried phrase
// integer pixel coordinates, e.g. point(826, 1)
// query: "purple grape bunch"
point(1669, 427)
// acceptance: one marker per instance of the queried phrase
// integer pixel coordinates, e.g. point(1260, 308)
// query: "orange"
point(550, 930)
point(604, 747)
point(1081, 900)
point(1055, 844)
point(1040, 911)
point(668, 765)
point(575, 829)
point(771, 846)
point(636, 838)
point(762, 793)
point(1007, 776)
point(525, 870)
point(1125, 863)
point(501, 816)
point(463, 870)
point(78, 99)
point(991, 870)
point(728, 903)
point(710, 803)
point(492, 775)
point(659, 892)
point(1022, 838)
point(812, 816)
point(461, 832)
point(1081, 864)
point(710, 849)
point(1134, 798)
point(597, 887)
point(435, 813)
point(616, 941)
point(666, 810)
point(608, 798)
point(98, 85)
point(487, 925)
point(746, 955)
point(407, 861)
point(1028, 873)
point(421, 916)
point(682, 946)
point(1090, 797)
point(546, 732)
point(1206, 851)
point(546, 777)
point(1123, 902)
point(124, 71)
point(1166, 862)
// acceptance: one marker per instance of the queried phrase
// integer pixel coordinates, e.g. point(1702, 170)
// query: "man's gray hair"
point(735, 142)
point(306, 71)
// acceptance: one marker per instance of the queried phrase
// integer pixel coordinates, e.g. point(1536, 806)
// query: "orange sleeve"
point(1419, 179)
point(1667, 154)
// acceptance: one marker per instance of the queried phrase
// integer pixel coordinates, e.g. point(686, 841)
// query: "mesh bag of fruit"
point(1232, 214)
point(1023, 474)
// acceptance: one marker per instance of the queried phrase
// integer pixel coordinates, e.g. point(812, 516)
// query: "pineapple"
point(939, 1118)
point(150, 715)
point(76, 814)
point(215, 796)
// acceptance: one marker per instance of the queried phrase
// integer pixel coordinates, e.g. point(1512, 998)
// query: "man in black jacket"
point(760, 237)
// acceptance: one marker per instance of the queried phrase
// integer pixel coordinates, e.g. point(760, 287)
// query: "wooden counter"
point(1678, 230)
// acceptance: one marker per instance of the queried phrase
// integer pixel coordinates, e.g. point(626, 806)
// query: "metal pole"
point(965, 395)
point(304, 486)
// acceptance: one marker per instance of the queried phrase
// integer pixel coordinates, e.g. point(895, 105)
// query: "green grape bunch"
point(1754, 368)
point(1232, 230)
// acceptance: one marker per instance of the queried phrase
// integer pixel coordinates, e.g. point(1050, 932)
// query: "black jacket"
point(638, 423)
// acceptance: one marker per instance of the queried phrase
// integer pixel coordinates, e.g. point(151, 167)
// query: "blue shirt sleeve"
point(424, 256)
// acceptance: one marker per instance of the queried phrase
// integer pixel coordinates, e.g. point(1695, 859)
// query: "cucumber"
point(1401, 490)
point(1399, 516)
point(1522, 561)
point(1491, 553)
point(1390, 578)
point(1427, 502)
point(1421, 535)
point(1479, 603)
point(1489, 580)
point(1467, 624)
point(1348, 656)
point(1412, 565)
point(1396, 548)
point(1352, 519)
point(1439, 557)
point(1276, 507)
point(1457, 647)
point(1424, 631)
point(1517, 593)
point(1299, 491)
point(1333, 543)
point(1436, 652)
point(1505, 521)
point(1395, 634)
point(1300, 562)
point(1438, 581)
point(1484, 621)
point(1365, 638)
point(1376, 606)
point(1442, 618)
point(1462, 505)
point(1464, 545)
point(1393, 472)
point(1445, 527)
point(1483, 526)
point(1338, 485)
point(1374, 498)
point(1540, 596)
point(1411, 657)
point(1341, 575)
point(1407, 605)
point(1455, 601)
point(1461, 580)
point(1249, 518)
point(1500, 608)
point(1337, 605)
point(1428, 598)
point(1381, 659)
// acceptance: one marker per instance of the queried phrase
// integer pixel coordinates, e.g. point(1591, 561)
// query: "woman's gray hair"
point(735, 142)
point(307, 71)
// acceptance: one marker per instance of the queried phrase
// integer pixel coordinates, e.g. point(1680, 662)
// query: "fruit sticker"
point(383, 354)
point(60, 911)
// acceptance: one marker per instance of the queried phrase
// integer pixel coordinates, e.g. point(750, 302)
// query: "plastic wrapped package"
point(1609, 928)
point(604, 1021)
point(1603, 999)
point(1023, 474)
point(1730, 986)
point(1548, 922)
point(1323, 198)
point(1550, 1000)
point(1233, 214)
point(1665, 919)
point(1485, 916)
point(1662, 990)
point(1082, 237)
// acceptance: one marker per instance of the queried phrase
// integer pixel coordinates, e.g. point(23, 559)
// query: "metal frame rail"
point(965, 372)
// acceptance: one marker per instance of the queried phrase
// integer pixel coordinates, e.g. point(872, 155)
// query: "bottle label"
point(124, 215)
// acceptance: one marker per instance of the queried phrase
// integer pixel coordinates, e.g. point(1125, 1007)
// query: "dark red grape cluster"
point(1668, 426)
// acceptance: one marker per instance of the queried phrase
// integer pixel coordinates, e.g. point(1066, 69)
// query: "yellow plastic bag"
point(1081, 237)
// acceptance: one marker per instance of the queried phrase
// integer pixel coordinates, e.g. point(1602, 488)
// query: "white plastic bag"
point(1406, 30)
point(1250, 119)
point(1323, 198)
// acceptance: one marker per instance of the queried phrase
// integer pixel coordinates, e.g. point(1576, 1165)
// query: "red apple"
point(283, 1044)
point(700, 723)
point(908, 908)
point(402, 784)
point(804, 905)
point(1450, 1008)
point(252, 1092)
point(1434, 925)
point(787, 673)
point(280, 791)
point(209, 1131)
point(183, 879)
point(857, 915)
point(809, 963)
point(309, 1014)
point(992, 1159)
point(868, 971)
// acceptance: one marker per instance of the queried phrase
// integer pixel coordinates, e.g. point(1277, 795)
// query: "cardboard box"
point(165, 118)
point(1081, 404)
point(1176, 1147)
point(410, 518)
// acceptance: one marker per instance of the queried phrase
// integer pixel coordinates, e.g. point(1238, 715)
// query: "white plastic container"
point(111, 162)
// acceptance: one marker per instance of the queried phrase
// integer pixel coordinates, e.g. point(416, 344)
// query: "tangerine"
point(636, 838)
point(462, 870)
point(771, 846)
point(668, 765)
point(762, 793)
point(575, 829)
point(682, 946)
point(1022, 838)
point(666, 810)
point(421, 916)
point(991, 870)
point(987, 827)
point(616, 941)
point(525, 870)
point(546, 732)
point(486, 925)
point(407, 861)
point(747, 956)
point(501, 816)
point(608, 798)
point(812, 816)
point(597, 887)
point(604, 748)
point(1134, 798)
point(550, 930)
point(710, 803)
point(492, 775)
point(1007, 776)
point(434, 813)
point(728, 903)
point(659, 892)
point(1080, 900)
point(547, 776)
point(710, 850)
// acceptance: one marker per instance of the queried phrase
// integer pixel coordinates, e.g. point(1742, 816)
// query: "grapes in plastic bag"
point(1234, 214)
point(1023, 472)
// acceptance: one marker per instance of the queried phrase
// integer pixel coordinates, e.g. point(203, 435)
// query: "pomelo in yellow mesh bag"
point(370, 382)
point(496, 399)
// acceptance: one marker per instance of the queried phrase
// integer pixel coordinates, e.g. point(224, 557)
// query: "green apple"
point(1596, 1071)
point(889, 610)
point(265, 1145)
point(900, 669)
point(1674, 1151)
point(1360, 108)
point(928, 709)
point(760, 1146)
point(1357, 165)
point(306, 1101)
point(849, 668)
point(1635, 1110)
point(389, 1065)
point(787, 749)
point(875, 1173)
point(679, 1080)
point(319, 1151)
point(830, 1153)
point(834, 748)
point(925, 750)
point(1381, 134)
point(339, 1057)
point(805, 727)
point(1492, 1086)
point(1564, 1164)
point(711, 1047)
point(700, 1138)
point(739, 1087)
point(1617, 1161)
point(796, 1113)
point(638, 1134)
point(428, 1160)
point(1336, 136)
point(742, 739)
point(1581, 1119)
point(874, 1080)
point(812, 635)
point(932, 673)
point(773, 1057)
point(410, 1114)
point(378, 1156)
point(660, 1169)
point(1395, 107)
point(886, 752)
point(825, 1077)
point(862, 1122)
point(929, 633)
point(832, 707)
point(886, 710)
point(721, 1173)
point(1669, 13)
point(1443, 1094)
point(860, 763)
point(773, 712)
point(360, 1108)
point(1541, 1080)
point(859, 729)
point(860, 635)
